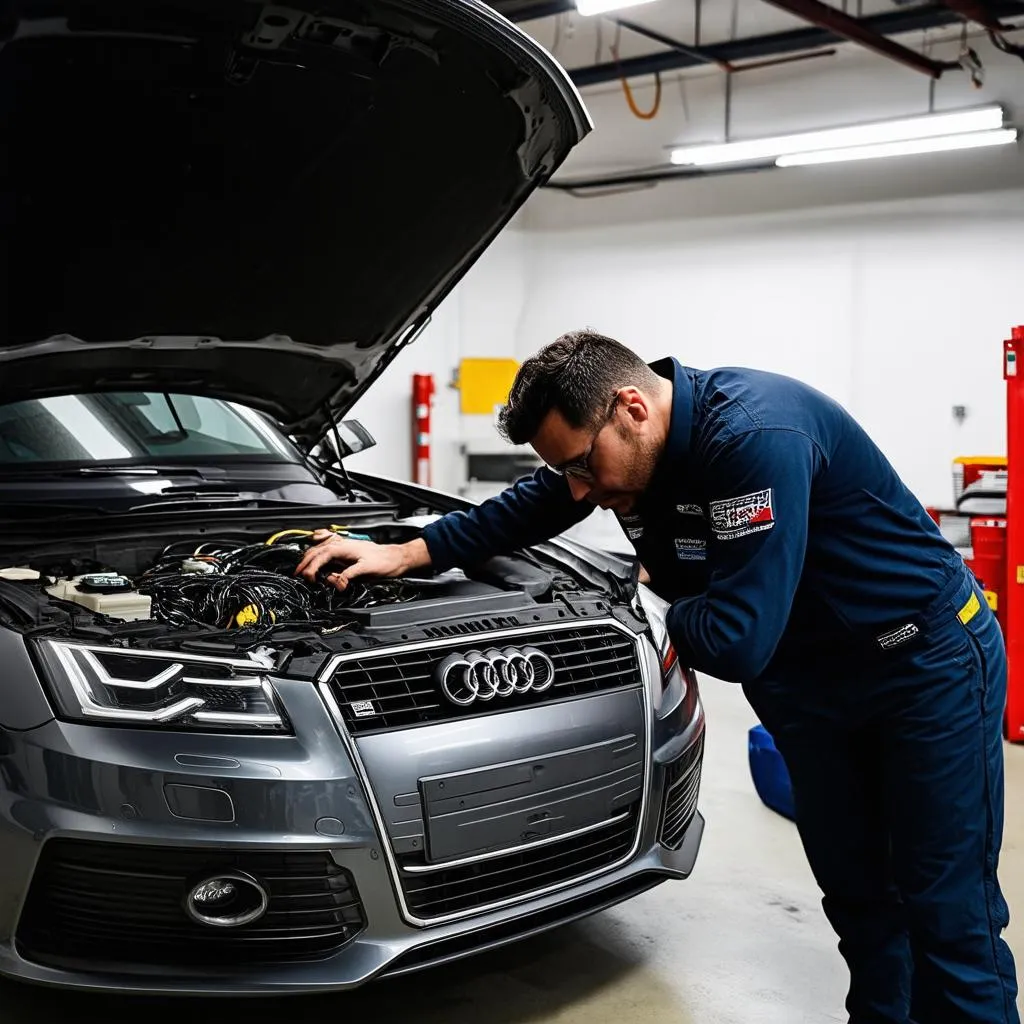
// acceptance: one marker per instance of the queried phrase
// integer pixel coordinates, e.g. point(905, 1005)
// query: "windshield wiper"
point(111, 471)
point(42, 470)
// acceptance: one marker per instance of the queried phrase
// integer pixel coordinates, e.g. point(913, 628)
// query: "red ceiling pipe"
point(850, 28)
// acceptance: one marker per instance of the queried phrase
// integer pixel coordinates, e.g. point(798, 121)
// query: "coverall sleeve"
point(760, 489)
point(532, 510)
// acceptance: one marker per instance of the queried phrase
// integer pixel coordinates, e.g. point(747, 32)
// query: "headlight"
point(114, 686)
point(678, 682)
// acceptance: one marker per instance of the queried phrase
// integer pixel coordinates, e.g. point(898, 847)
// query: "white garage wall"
point(386, 409)
point(479, 318)
point(897, 310)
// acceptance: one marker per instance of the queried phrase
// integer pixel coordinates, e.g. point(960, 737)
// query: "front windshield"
point(134, 427)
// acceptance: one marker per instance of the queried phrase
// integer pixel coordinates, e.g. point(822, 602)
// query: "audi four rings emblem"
point(482, 675)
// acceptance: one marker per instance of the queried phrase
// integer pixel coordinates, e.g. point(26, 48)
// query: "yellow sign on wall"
point(485, 383)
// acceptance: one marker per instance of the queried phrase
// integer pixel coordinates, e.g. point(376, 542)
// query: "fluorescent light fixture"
point(589, 7)
point(928, 126)
point(945, 144)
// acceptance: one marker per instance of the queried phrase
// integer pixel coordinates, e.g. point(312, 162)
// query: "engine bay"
point(242, 591)
point(222, 584)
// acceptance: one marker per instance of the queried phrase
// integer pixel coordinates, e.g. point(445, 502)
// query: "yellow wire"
point(289, 533)
point(334, 527)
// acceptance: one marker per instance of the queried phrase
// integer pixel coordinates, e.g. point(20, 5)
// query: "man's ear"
point(636, 404)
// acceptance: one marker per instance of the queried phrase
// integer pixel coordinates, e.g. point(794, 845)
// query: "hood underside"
point(254, 202)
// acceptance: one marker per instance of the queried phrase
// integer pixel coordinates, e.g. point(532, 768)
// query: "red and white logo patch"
point(740, 517)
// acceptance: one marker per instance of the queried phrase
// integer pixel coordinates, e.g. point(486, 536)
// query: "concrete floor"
point(744, 939)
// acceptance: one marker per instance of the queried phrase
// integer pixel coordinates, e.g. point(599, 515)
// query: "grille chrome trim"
point(644, 655)
point(426, 869)
point(388, 690)
point(494, 936)
point(480, 885)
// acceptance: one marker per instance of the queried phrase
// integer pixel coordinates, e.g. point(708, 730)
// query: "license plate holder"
point(502, 807)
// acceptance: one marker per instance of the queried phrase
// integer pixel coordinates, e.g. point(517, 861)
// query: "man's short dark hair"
point(578, 374)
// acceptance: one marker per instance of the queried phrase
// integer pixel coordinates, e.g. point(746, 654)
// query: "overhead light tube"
point(590, 7)
point(928, 126)
point(944, 144)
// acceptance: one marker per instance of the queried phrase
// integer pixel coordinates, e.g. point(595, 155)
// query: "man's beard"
point(637, 467)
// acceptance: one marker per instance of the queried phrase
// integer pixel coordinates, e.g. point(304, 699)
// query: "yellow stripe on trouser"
point(969, 610)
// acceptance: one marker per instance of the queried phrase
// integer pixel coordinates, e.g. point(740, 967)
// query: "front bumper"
point(292, 796)
point(380, 952)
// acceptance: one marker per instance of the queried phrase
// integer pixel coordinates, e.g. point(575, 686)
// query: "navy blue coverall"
point(798, 564)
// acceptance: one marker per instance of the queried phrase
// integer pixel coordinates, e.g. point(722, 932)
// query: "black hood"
point(254, 202)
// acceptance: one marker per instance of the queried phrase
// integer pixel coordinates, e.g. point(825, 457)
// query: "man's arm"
point(535, 509)
point(530, 511)
point(760, 497)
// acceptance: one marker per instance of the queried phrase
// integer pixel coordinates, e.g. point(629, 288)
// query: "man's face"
point(609, 464)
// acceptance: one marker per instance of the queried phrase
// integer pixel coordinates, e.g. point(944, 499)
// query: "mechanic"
point(798, 564)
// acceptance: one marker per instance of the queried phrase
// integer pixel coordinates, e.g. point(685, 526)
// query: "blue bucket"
point(769, 772)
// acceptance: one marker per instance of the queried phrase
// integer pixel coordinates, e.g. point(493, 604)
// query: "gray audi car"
point(220, 222)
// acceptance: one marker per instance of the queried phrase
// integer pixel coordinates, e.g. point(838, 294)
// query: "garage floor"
point(744, 939)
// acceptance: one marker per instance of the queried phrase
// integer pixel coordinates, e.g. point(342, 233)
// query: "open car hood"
point(254, 202)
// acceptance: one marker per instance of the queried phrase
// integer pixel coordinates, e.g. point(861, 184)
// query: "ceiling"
point(769, 60)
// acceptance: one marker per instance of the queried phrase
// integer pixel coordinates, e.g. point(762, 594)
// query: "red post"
point(1014, 589)
point(422, 400)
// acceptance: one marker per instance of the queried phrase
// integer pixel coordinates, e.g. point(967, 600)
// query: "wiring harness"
point(221, 584)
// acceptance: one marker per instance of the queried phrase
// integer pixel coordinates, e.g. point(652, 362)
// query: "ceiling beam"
point(834, 20)
point(707, 58)
point(754, 47)
point(672, 44)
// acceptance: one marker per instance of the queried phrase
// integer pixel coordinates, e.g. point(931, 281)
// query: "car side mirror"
point(348, 438)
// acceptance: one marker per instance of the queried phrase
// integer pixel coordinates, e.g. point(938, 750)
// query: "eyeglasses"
point(579, 467)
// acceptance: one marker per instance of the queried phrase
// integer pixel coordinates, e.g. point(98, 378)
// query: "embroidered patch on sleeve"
point(739, 517)
point(691, 549)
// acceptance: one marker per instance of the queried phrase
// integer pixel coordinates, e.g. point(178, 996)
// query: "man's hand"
point(364, 557)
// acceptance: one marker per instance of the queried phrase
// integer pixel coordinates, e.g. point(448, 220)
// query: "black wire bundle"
point(215, 599)
point(250, 587)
